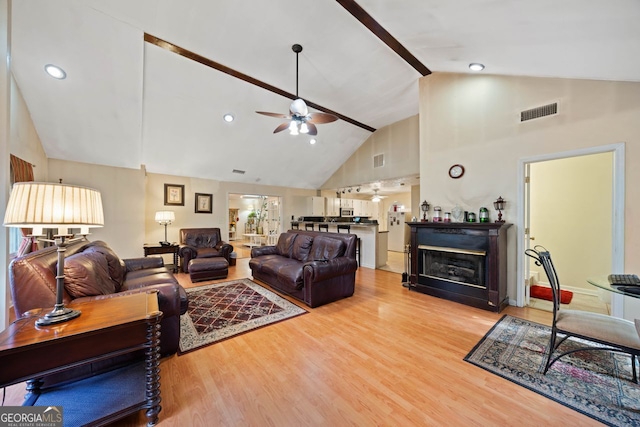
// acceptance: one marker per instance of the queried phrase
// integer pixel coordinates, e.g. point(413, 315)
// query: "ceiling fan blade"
point(278, 115)
point(320, 118)
point(282, 127)
point(313, 130)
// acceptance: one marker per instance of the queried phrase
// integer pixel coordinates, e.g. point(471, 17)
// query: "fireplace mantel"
point(462, 262)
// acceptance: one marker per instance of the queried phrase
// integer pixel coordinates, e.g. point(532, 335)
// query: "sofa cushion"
point(117, 269)
point(287, 270)
point(325, 248)
point(87, 274)
point(285, 244)
point(208, 252)
point(301, 247)
point(201, 239)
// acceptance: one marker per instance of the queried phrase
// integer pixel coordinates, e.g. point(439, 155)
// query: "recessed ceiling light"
point(55, 71)
point(475, 66)
point(228, 117)
point(313, 141)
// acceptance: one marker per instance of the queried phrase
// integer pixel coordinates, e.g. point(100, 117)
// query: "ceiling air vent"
point(378, 161)
point(238, 171)
point(538, 112)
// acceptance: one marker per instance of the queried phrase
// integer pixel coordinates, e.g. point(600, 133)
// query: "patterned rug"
point(596, 383)
point(223, 310)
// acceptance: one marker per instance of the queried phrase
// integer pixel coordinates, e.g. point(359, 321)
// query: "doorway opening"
point(254, 220)
point(572, 204)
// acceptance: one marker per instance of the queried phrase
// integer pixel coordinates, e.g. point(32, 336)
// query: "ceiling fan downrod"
point(297, 49)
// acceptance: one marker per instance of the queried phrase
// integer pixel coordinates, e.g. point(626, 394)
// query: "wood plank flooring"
point(386, 356)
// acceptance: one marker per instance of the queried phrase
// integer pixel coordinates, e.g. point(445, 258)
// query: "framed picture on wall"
point(203, 203)
point(173, 195)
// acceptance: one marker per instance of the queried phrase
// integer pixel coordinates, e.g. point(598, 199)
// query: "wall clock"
point(456, 171)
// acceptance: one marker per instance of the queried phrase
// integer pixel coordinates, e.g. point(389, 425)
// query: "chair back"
point(542, 258)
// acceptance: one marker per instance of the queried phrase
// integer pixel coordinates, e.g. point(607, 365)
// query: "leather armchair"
point(202, 243)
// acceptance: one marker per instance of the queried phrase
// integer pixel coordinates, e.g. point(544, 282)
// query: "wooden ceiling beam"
point(377, 29)
point(244, 77)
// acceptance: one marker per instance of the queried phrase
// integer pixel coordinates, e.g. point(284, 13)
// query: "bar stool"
point(308, 227)
point(295, 226)
point(323, 227)
point(347, 227)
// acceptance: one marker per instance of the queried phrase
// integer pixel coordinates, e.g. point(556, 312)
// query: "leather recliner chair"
point(202, 243)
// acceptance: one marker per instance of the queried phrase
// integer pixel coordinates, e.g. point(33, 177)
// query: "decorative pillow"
point(326, 248)
point(87, 274)
point(285, 244)
point(117, 269)
point(301, 247)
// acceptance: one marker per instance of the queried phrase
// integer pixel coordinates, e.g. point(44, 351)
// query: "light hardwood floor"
point(386, 357)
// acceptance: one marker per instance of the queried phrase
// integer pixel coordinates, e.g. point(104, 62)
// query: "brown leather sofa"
point(92, 272)
point(202, 243)
point(315, 267)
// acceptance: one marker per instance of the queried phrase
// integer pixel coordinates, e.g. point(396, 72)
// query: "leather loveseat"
point(93, 271)
point(314, 267)
point(202, 243)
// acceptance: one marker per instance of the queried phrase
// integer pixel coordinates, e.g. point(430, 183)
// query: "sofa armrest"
point(317, 271)
point(134, 264)
point(168, 297)
point(225, 249)
point(187, 250)
point(263, 250)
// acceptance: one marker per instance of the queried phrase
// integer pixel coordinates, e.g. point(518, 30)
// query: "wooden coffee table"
point(106, 328)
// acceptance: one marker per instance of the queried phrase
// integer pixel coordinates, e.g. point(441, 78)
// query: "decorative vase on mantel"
point(457, 213)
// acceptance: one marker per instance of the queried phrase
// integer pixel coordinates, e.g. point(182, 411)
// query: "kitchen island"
point(368, 234)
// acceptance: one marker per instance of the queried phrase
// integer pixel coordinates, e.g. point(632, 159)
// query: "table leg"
point(152, 368)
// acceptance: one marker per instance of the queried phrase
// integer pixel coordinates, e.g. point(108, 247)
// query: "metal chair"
point(323, 227)
point(347, 228)
point(613, 333)
point(308, 227)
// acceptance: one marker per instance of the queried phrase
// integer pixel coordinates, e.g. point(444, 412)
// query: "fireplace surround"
point(462, 262)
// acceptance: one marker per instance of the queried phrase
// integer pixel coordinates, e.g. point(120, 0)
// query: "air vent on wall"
point(378, 161)
point(538, 112)
point(238, 171)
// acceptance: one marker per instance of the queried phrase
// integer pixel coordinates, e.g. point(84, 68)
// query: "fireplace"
point(463, 262)
point(464, 267)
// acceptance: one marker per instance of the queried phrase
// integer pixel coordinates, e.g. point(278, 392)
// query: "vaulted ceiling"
point(128, 102)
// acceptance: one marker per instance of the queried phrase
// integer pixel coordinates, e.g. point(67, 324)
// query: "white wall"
point(474, 120)
point(399, 142)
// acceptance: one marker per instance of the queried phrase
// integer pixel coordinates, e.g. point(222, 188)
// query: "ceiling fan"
point(299, 119)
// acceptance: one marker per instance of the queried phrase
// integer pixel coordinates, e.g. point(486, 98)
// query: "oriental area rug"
point(595, 383)
point(223, 310)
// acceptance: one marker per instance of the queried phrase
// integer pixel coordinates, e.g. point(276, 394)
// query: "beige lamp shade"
point(50, 205)
point(165, 217)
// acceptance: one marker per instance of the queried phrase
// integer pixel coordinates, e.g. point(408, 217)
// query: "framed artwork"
point(173, 195)
point(203, 203)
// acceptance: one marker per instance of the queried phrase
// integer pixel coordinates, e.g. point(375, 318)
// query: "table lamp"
point(165, 218)
point(41, 205)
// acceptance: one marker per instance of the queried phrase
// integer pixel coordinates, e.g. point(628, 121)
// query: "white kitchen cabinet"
point(315, 206)
point(332, 206)
point(346, 203)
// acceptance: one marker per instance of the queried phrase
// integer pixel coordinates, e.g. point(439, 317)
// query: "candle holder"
point(499, 206)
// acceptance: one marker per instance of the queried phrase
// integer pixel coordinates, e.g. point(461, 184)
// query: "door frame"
point(617, 226)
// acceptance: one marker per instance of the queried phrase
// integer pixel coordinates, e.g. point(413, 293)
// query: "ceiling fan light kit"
point(300, 120)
